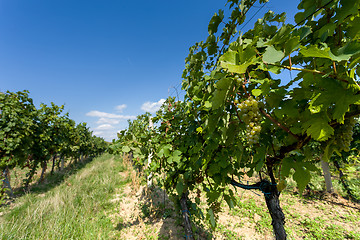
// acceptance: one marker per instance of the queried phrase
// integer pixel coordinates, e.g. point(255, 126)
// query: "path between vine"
point(141, 215)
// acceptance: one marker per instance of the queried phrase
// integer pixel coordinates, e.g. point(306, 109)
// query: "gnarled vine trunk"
point(6, 181)
point(273, 204)
point(186, 217)
point(43, 170)
point(53, 164)
point(277, 215)
point(30, 176)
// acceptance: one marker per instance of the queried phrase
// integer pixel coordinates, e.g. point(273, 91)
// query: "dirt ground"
point(143, 214)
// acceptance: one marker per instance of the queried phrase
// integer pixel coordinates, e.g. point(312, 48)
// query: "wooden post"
point(327, 175)
point(149, 177)
point(62, 163)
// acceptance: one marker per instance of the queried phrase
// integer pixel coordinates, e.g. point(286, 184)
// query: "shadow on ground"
point(50, 181)
point(157, 217)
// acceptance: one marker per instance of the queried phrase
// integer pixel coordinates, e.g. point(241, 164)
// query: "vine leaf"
point(286, 166)
point(237, 62)
point(215, 21)
point(164, 151)
point(229, 201)
point(292, 44)
point(343, 54)
point(212, 218)
point(180, 186)
point(272, 55)
point(176, 157)
point(334, 94)
point(301, 176)
point(318, 127)
point(126, 149)
point(222, 89)
point(256, 92)
point(350, 49)
point(349, 7)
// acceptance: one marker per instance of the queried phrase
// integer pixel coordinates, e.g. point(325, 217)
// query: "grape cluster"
point(237, 79)
point(343, 135)
point(250, 114)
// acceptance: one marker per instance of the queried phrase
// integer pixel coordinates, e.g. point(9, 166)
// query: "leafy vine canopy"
point(321, 55)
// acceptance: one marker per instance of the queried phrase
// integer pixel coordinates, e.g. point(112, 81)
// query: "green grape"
point(343, 135)
point(250, 115)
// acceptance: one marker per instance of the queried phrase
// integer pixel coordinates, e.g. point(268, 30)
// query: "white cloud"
point(108, 135)
point(98, 133)
point(95, 113)
point(120, 108)
point(152, 107)
point(106, 123)
point(104, 127)
point(107, 120)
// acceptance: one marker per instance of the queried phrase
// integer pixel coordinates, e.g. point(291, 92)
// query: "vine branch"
point(268, 116)
point(309, 70)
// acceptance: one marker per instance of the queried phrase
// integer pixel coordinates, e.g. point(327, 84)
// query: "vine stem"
point(310, 71)
point(235, 23)
point(278, 124)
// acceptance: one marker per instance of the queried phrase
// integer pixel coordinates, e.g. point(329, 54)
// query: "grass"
point(73, 209)
point(104, 199)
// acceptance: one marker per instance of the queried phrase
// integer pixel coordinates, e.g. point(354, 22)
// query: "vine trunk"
point(277, 215)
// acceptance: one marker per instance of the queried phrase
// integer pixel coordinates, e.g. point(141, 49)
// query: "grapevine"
point(33, 136)
point(199, 143)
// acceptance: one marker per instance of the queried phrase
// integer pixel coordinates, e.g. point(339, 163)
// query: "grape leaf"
point(212, 218)
point(286, 166)
point(126, 149)
point(332, 93)
point(256, 92)
point(318, 127)
point(215, 21)
point(344, 53)
point(229, 201)
point(222, 89)
point(176, 156)
point(292, 45)
point(238, 62)
point(180, 186)
point(272, 55)
point(301, 176)
point(207, 104)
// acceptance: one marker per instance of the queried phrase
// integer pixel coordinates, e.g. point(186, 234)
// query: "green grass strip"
point(73, 209)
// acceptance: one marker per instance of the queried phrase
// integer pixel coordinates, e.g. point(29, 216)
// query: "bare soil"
point(144, 214)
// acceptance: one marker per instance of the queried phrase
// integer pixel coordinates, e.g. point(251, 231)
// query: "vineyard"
point(241, 127)
point(33, 138)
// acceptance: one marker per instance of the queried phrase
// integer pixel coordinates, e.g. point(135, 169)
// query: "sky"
point(107, 61)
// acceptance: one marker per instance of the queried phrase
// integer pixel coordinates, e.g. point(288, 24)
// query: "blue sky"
point(107, 61)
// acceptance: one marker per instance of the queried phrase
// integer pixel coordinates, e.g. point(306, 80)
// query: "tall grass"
point(74, 209)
